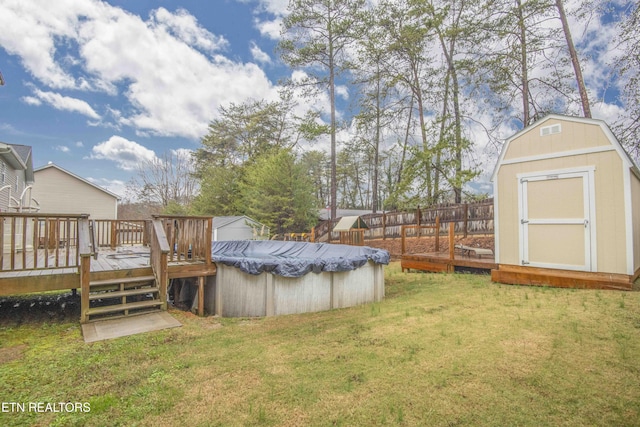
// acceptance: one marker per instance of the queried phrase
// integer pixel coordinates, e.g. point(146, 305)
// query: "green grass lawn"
point(440, 350)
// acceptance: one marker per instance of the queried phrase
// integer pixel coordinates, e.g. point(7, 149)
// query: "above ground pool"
point(267, 278)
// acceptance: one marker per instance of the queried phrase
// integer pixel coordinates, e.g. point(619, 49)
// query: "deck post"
point(452, 231)
point(208, 241)
point(114, 234)
point(200, 296)
point(85, 275)
point(86, 251)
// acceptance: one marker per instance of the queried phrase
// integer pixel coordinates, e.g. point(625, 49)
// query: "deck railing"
point(113, 233)
point(468, 218)
point(38, 241)
point(189, 237)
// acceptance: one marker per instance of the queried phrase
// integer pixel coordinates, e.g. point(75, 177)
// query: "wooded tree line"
point(426, 80)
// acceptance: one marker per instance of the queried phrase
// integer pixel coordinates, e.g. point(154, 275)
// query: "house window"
point(3, 172)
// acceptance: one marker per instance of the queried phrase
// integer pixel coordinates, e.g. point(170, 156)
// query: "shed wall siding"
point(609, 192)
point(58, 192)
point(635, 199)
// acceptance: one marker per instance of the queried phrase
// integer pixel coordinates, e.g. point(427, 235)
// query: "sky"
point(98, 87)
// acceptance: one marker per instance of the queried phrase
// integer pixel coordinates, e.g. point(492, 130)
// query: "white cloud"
point(269, 28)
point(116, 186)
point(61, 102)
point(168, 68)
point(342, 91)
point(184, 27)
point(128, 155)
point(63, 148)
point(273, 7)
point(259, 55)
point(79, 144)
point(31, 100)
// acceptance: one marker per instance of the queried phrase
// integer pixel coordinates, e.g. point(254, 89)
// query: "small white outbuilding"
point(566, 207)
point(239, 227)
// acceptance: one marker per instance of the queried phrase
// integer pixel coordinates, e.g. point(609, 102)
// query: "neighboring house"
point(238, 228)
point(16, 175)
point(566, 197)
point(62, 192)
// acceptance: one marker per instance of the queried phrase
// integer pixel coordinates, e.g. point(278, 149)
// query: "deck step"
point(119, 294)
point(122, 307)
point(125, 281)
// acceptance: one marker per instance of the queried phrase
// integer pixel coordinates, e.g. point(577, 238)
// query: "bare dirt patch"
point(9, 354)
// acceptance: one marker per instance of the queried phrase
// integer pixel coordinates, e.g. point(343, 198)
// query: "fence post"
point(452, 231)
point(402, 242)
point(384, 226)
point(437, 234)
point(466, 218)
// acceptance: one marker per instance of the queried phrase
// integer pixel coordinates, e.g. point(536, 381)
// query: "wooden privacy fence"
point(467, 218)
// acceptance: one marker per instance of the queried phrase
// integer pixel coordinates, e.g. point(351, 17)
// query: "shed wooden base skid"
point(519, 275)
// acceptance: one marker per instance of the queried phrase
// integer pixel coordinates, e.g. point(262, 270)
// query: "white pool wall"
point(233, 293)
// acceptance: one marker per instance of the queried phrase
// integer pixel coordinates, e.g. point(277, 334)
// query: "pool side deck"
point(121, 262)
point(442, 262)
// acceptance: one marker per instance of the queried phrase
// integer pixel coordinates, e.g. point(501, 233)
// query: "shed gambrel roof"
point(97, 187)
point(624, 155)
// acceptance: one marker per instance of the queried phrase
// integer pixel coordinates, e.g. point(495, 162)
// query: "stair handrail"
point(92, 238)
point(159, 258)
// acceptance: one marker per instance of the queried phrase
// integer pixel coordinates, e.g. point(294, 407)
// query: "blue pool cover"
point(293, 259)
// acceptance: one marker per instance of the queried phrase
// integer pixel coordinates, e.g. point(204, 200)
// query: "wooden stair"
point(121, 297)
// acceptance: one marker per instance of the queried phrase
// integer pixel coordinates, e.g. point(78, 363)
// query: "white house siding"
point(60, 192)
point(14, 178)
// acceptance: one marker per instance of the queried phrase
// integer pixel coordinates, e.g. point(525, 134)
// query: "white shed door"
point(555, 217)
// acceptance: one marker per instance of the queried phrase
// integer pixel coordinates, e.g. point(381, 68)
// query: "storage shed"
point(351, 229)
point(239, 227)
point(567, 207)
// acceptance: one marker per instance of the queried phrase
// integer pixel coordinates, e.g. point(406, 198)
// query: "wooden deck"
point(126, 261)
point(49, 252)
point(441, 262)
point(108, 263)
